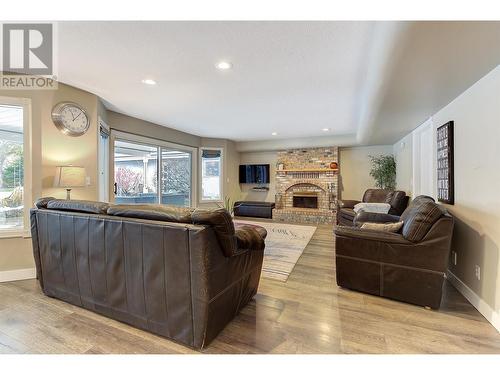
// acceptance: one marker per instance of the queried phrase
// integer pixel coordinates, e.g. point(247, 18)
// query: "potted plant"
point(228, 204)
point(383, 171)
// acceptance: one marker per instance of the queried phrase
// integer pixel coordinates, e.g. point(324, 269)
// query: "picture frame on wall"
point(445, 163)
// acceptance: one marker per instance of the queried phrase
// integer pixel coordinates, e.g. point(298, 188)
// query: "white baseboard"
point(14, 275)
point(491, 315)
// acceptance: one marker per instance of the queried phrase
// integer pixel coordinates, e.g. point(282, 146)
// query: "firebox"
point(305, 199)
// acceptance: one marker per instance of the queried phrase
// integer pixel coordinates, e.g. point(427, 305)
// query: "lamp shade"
point(69, 177)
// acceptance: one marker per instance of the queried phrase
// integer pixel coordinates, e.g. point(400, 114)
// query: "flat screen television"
point(254, 174)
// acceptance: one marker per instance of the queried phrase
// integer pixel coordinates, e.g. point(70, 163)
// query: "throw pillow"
point(385, 227)
point(380, 208)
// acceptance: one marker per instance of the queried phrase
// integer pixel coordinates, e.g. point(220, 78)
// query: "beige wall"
point(136, 126)
point(355, 169)
point(246, 192)
point(49, 149)
point(476, 115)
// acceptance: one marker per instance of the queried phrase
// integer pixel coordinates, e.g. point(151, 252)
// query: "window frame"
point(221, 175)
point(25, 103)
point(124, 136)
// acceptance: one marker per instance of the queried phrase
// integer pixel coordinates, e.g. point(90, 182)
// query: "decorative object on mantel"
point(445, 164)
point(280, 166)
point(334, 165)
point(383, 171)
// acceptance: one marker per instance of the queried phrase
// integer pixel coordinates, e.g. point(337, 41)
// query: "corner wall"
point(476, 116)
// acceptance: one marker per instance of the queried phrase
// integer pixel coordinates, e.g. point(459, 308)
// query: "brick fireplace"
point(306, 187)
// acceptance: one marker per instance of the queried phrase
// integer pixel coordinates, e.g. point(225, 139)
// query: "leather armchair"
point(409, 266)
point(397, 199)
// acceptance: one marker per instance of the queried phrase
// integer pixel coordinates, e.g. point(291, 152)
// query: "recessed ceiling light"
point(224, 65)
point(274, 133)
point(149, 81)
point(325, 129)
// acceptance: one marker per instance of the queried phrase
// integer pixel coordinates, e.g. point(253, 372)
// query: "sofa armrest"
point(374, 217)
point(249, 238)
point(371, 235)
point(348, 203)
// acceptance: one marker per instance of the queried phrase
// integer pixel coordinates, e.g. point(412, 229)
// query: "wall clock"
point(71, 119)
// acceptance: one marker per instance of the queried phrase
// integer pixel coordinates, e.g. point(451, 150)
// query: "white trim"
point(25, 103)
point(14, 275)
point(221, 176)
point(486, 310)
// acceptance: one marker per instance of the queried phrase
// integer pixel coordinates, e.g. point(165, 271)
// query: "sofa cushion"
point(419, 219)
point(42, 202)
point(223, 225)
point(158, 212)
point(90, 207)
point(414, 203)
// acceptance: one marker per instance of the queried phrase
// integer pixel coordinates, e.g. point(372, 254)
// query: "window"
point(211, 174)
point(152, 171)
point(14, 158)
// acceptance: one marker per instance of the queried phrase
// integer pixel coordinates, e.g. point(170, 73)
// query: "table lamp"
point(69, 177)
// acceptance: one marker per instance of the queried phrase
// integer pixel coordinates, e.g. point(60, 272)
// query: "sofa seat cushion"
point(89, 207)
point(158, 212)
point(419, 219)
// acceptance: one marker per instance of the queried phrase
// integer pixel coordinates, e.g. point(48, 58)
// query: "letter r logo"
point(27, 48)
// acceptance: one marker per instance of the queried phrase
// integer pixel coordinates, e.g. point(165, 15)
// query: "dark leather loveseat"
point(397, 199)
point(409, 266)
point(177, 272)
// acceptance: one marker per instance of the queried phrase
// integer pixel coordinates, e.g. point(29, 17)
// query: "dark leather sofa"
point(177, 272)
point(409, 266)
point(396, 198)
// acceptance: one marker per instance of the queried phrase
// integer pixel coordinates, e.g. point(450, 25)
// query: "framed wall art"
point(445, 170)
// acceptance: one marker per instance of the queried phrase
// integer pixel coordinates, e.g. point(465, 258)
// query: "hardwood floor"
point(307, 314)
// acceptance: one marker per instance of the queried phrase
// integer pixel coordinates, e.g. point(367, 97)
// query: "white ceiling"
point(369, 82)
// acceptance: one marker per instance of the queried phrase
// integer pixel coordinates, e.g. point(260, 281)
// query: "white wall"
point(476, 115)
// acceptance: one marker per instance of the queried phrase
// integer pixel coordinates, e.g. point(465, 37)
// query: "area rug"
point(284, 246)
